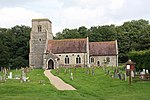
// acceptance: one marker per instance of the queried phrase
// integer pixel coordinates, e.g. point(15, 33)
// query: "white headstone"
point(10, 75)
point(24, 78)
point(132, 74)
point(71, 76)
point(147, 71)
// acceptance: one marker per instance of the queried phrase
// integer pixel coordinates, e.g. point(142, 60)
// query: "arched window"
point(92, 60)
point(66, 59)
point(78, 59)
point(39, 28)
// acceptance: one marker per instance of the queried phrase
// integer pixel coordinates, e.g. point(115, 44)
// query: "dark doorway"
point(98, 63)
point(50, 64)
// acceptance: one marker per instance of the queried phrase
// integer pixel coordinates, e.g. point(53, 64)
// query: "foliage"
point(14, 44)
point(141, 58)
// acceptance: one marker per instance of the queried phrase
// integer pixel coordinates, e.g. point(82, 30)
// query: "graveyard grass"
point(89, 87)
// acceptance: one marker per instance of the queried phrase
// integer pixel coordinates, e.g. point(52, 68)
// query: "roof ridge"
point(104, 42)
point(68, 39)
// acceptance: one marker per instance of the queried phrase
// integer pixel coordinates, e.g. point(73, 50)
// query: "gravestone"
point(71, 76)
point(125, 76)
point(92, 71)
point(17, 76)
point(108, 72)
point(23, 76)
point(119, 76)
point(69, 71)
point(87, 71)
point(65, 70)
point(57, 71)
point(1, 78)
point(146, 71)
point(10, 75)
point(1, 69)
point(16, 69)
point(132, 74)
point(75, 70)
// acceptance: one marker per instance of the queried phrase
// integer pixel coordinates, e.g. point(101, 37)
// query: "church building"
point(47, 53)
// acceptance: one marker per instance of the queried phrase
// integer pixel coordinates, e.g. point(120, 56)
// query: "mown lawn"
point(89, 87)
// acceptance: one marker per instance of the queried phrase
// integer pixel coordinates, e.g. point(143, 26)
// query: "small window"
point(66, 59)
point(40, 39)
point(78, 59)
point(39, 28)
point(92, 60)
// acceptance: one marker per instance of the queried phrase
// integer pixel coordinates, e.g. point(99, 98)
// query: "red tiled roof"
point(67, 46)
point(102, 48)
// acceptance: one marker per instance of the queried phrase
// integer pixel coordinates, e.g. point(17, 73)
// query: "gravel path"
point(57, 82)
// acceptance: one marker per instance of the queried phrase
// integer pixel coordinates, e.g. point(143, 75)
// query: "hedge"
point(141, 58)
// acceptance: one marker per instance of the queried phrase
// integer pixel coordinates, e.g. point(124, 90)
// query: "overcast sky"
point(72, 13)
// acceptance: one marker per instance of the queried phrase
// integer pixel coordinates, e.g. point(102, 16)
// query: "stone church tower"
point(40, 34)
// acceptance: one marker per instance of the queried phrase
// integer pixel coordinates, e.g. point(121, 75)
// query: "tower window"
point(78, 59)
point(39, 28)
point(66, 59)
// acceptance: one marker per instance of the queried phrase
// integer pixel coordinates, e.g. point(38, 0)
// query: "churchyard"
point(106, 83)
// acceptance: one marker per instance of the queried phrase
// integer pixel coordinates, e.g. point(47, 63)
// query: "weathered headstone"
point(16, 69)
point(57, 71)
point(125, 76)
point(92, 71)
point(23, 78)
point(17, 77)
point(75, 70)
point(1, 78)
point(69, 70)
point(119, 76)
point(108, 72)
point(87, 71)
point(1, 69)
